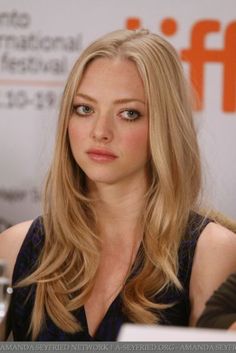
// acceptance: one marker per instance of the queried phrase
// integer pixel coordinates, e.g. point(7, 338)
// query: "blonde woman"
point(120, 239)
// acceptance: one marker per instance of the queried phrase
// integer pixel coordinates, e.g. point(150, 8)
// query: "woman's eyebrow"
point(85, 96)
point(117, 101)
point(128, 100)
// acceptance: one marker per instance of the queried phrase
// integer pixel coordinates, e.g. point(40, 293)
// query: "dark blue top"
point(23, 298)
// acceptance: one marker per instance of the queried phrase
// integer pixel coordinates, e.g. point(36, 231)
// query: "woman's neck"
point(119, 210)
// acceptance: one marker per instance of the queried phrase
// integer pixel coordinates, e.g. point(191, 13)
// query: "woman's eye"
point(83, 109)
point(130, 114)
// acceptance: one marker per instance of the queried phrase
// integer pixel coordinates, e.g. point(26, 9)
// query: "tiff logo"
point(197, 55)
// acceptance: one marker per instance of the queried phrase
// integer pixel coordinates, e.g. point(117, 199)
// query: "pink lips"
point(100, 155)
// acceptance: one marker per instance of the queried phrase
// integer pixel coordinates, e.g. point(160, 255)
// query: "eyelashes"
point(130, 114)
point(85, 110)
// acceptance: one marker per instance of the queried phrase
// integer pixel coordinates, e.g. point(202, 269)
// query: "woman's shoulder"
point(216, 248)
point(204, 238)
point(218, 238)
point(12, 240)
point(214, 261)
point(203, 229)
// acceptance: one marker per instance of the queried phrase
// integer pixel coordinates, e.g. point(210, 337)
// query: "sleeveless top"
point(23, 298)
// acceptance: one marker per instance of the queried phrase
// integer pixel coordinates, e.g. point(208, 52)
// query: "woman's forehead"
point(118, 74)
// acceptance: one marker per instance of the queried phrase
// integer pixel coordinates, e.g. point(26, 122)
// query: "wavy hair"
point(70, 257)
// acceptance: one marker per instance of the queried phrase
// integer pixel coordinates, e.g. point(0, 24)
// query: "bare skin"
point(233, 326)
point(214, 261)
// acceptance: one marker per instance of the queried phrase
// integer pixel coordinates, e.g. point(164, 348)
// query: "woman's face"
point(108, 130)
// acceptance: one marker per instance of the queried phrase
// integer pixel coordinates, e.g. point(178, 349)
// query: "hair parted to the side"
point(69, 261)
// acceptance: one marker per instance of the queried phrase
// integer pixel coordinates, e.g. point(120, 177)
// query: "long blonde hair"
point(70, 257)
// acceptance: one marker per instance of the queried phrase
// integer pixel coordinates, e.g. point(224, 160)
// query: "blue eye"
point(130, 114)
point(83, 109)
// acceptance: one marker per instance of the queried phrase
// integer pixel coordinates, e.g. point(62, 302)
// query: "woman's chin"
point(102, 179)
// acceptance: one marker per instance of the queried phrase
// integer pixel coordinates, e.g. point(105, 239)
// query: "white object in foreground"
point(145, 333)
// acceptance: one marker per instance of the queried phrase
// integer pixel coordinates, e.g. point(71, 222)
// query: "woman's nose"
point(102, 130)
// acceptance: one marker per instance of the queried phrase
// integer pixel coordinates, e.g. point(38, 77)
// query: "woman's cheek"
point(137, 139)
point(75, 131)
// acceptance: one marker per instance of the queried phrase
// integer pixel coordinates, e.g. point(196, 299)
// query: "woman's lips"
point(101, 155)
